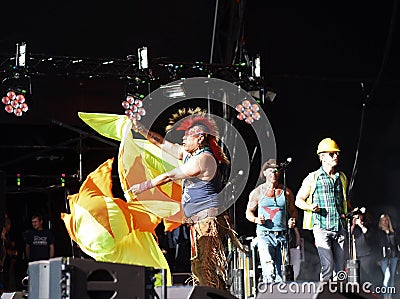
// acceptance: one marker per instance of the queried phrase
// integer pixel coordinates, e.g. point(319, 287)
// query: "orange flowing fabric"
point(111, 229)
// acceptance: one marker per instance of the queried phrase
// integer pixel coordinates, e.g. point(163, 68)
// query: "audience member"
point(389, 252)
point(365, 235)
point(39, 241)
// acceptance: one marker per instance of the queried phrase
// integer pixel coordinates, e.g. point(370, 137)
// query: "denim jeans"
point(331, 251)
point(388, 266)
point(270, 251)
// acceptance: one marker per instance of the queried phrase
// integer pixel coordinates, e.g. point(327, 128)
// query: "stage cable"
point(369, 97)
point(213, 33)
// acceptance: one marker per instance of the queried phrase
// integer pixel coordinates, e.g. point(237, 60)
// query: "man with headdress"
point(201, 185)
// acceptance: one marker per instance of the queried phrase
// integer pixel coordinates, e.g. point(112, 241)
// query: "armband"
point(145, 186)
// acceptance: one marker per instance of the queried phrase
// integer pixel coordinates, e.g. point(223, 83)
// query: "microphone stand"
point(287, 267)
point(352, 264)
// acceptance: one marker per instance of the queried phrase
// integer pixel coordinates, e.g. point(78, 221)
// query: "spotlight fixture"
point(17, 84)
point(263, 96)
point(14, 101)
point(248, 111)
point(143, 58)
point(133, 106)
point(257, 66)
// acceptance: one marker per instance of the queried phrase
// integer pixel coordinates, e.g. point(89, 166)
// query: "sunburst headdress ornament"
point(184, 119)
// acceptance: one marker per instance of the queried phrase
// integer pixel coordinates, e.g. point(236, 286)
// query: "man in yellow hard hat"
point(322, 196)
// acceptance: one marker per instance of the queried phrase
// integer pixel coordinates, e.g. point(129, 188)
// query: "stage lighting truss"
point(16, 73)
point(248, 112)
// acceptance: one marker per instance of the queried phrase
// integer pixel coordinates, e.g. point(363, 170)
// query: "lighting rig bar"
point(42, 65)
point(127, 69)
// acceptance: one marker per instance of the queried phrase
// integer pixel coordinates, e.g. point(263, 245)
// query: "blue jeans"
point(388, 266)
point(270, 251)
point(330, 246)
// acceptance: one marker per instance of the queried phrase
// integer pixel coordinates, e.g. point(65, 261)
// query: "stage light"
point(17, 85)
point(15, 101)
point(248, 111)
point(18, 180)
point(261, 96)
point(133, 105)
point(63, 180)
point(143, 58)
point(20, 57)
point(257, 67)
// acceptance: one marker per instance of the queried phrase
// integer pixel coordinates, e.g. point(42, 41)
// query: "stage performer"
point(322, 196)
point(201, 177)
point(273, 201)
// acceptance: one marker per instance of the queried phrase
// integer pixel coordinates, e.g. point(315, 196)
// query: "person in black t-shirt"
point(366, 251)
point(39, 242)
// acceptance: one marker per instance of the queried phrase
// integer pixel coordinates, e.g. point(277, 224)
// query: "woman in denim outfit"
point(390, 247)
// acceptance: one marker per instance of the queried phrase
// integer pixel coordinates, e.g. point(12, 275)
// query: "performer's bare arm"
point(293, 213)
point(51, 250)
point(155, 138)
point(303, 194)
point(27, 251)
point(202, 166)
point(252, 207)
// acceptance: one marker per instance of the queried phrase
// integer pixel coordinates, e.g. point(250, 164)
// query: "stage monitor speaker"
point(15, 295)
point(313, 290)
point(38, 282)
point(204, 292)
point(197, 292)
point(175, 292)
point(83, 278)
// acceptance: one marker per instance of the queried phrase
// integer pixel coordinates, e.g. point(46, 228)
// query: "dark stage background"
point(315, 56)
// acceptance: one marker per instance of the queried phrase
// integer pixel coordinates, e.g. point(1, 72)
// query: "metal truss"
point(126, 69)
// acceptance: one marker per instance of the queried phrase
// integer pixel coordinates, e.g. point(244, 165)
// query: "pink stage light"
point(15, 102)
point(248, 111)
point(133, 106)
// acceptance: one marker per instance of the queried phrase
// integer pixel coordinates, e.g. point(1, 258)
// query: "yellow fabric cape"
point(110, 229)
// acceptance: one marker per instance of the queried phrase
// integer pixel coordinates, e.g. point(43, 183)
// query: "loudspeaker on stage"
point(197, 292)
point(74, 278)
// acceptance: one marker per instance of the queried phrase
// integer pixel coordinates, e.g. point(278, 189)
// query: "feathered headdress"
point(184, 119)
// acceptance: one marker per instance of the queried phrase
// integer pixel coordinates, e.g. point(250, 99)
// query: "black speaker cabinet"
point(197, 292)
point(175, 292)
point(204, 292)
point(15, 295)
point(38, 282)
point(76, 278)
